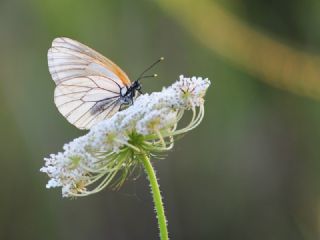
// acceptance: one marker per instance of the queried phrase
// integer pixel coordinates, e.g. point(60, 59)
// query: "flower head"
point(111, 150)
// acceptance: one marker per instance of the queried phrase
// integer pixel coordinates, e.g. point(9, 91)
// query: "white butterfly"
point(90, 87)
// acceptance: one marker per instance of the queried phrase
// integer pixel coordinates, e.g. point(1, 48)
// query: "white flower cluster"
point(110, 150)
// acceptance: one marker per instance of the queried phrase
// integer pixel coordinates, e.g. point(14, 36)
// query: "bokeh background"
point(250, 171)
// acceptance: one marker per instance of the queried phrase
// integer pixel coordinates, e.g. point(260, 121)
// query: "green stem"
point(157, 199)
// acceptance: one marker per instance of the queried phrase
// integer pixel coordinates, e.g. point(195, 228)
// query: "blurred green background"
point(250, 171)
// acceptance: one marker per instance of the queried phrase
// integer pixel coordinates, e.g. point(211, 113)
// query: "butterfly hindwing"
point(84, 101)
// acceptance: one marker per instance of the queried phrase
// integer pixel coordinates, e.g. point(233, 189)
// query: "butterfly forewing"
point(88, 84)
point(68, 58)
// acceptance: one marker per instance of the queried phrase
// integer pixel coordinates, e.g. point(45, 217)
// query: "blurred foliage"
point(265, 57)
point(250, 171)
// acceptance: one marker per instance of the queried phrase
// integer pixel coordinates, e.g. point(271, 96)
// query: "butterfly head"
point(136, 86)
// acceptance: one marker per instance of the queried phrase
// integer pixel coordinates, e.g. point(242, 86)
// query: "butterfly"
point(89, 86)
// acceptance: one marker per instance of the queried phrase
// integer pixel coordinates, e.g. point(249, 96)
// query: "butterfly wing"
point(85, 101)
point(68, 58)
point(88, 84)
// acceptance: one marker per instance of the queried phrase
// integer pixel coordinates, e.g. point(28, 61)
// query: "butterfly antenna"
point(149, 76)
point(151, 66)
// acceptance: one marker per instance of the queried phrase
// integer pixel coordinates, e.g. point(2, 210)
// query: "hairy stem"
point(157, 199)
